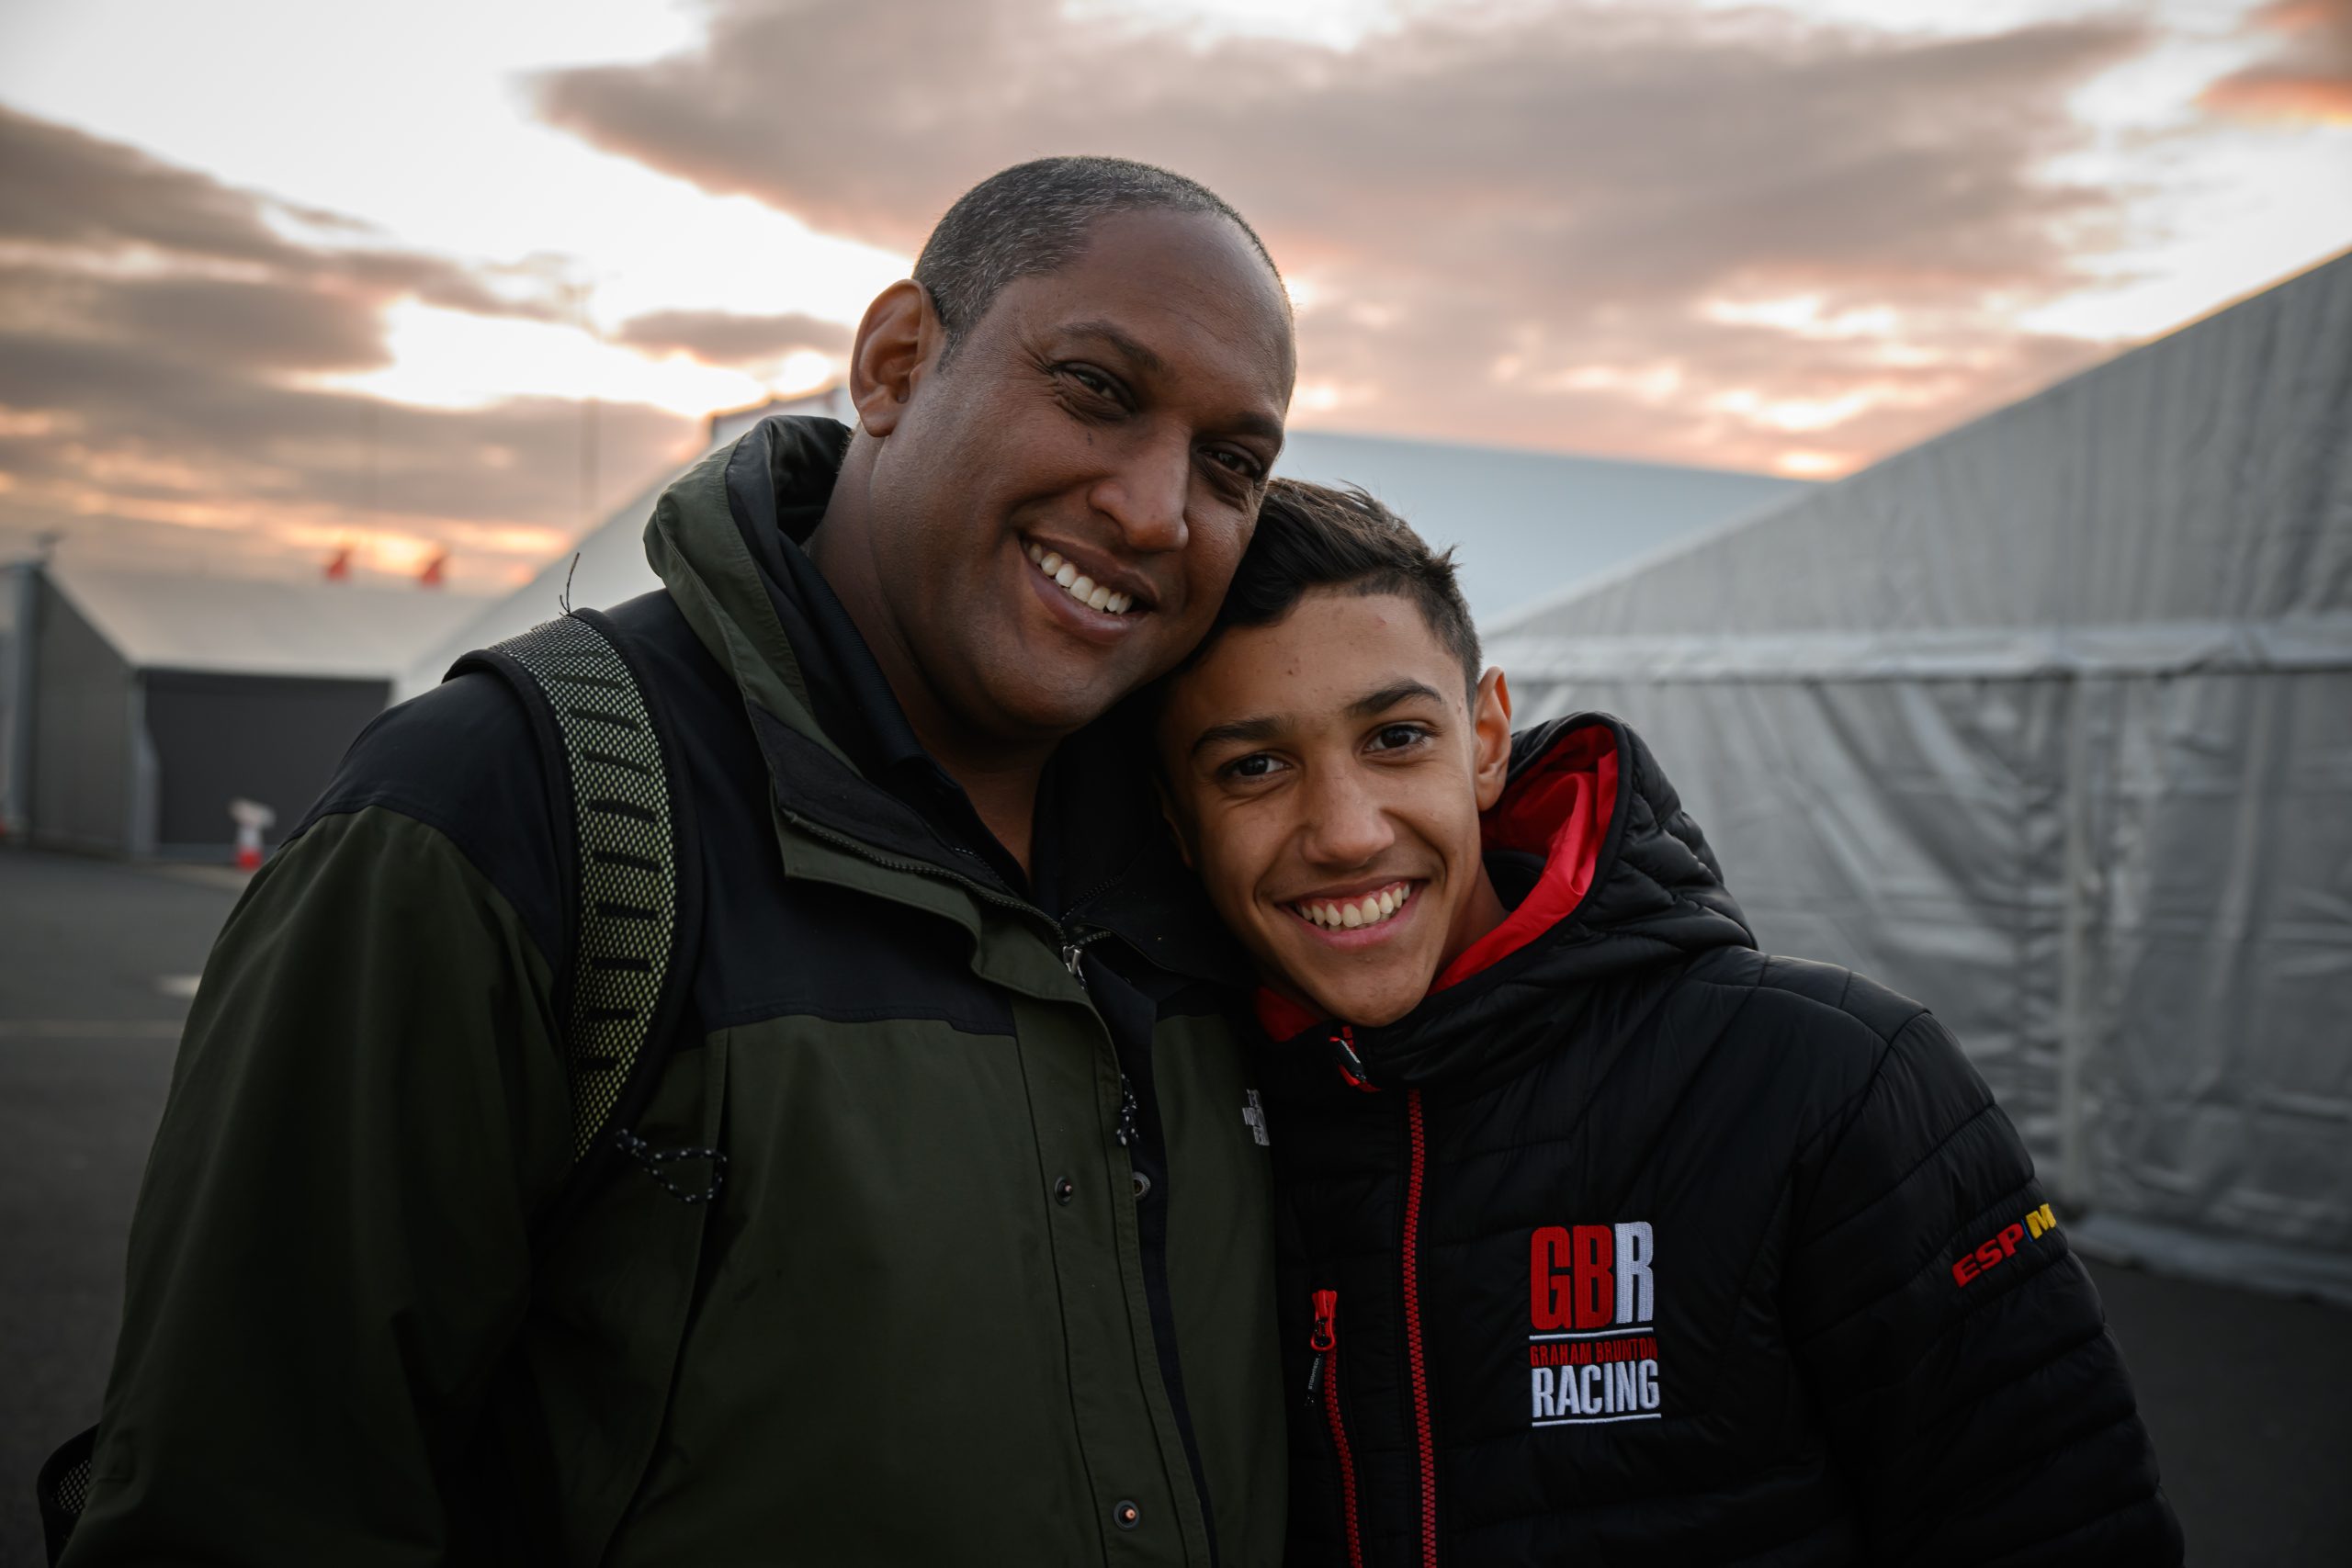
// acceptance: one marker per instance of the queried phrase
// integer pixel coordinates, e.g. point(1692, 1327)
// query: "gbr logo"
point(1592, 1355)
point(1585, 1277)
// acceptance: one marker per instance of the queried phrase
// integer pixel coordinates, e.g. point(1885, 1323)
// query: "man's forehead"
point(1165, 297)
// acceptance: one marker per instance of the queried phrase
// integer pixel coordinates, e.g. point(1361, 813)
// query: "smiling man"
point(1610, 1238)
point(988, 1277)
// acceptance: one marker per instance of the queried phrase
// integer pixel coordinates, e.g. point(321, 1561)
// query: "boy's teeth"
point(1076, 583)
point(1357, 913)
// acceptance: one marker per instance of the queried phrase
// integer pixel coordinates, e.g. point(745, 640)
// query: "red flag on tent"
point(431, 576)
point(339, 565)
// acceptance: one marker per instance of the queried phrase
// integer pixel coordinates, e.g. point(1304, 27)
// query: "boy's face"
point(1325, 776)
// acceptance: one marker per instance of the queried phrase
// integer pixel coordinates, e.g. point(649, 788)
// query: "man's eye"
point(1397, 736)
point(1241, 463)
point(1094, 381)
point(1257, 765)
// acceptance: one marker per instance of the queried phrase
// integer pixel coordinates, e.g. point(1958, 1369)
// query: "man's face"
point(1058, 509)
point(1325, 776)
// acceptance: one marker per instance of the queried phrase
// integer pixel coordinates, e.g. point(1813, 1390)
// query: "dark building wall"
point(274, 738)
point(84, 757)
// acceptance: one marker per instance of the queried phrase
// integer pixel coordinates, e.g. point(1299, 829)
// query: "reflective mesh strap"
point(628, 870)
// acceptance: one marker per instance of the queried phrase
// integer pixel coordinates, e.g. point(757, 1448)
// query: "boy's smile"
point(1325, 774)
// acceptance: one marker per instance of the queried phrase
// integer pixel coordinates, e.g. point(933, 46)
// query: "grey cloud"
point(1563, 174)
point(63, 189)
point(722, 337)
point(155, 333)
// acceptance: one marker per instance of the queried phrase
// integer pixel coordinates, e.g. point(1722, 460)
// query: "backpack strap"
point(613, 771)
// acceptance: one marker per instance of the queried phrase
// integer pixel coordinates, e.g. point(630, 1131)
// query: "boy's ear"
point(1175, 824)
point(1491, 722)
point(896, 342)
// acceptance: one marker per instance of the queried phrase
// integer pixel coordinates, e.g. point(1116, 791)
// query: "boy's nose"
point(1345, 824)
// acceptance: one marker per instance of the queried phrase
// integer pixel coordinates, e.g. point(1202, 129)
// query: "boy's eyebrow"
point(1263, 728)
point(1389, 696)
point(1266, 727)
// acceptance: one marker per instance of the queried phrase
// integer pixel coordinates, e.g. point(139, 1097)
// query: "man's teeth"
point(1356, 913)
point(1077, 584)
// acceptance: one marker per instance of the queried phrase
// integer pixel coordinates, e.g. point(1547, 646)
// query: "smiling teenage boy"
point(1606, 1238)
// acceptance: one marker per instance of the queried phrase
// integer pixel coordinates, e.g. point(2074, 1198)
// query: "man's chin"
point(1049, 709)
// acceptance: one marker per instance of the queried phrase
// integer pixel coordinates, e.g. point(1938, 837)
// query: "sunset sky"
point(280, 277)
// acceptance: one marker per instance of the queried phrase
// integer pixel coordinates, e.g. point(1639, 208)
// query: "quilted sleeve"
point(1954, 1346)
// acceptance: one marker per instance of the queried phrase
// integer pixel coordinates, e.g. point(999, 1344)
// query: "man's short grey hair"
point(1034, 218)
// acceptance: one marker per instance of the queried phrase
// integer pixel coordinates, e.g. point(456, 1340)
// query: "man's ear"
point(1491, 721)
point(896, 342)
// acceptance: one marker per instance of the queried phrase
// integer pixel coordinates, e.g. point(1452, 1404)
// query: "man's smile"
point(1100, 589)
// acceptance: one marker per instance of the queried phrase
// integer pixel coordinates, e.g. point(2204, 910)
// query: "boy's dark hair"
point(1033, 218)
point(1312, 535)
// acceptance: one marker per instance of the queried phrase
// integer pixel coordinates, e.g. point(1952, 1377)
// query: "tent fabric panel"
point(2205, 477)
point(264, 626)
point(83, 761)
point(2219, 1090)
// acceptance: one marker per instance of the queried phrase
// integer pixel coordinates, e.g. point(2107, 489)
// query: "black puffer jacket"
point(1631, 1244)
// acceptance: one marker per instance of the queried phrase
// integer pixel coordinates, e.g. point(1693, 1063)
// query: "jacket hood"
point(1604, 874)
point(716, 542)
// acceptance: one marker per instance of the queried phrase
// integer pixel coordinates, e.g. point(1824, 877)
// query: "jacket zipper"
point(1324, 1373)
point(1416, 1361)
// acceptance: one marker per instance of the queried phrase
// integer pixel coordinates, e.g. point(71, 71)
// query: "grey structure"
point(137, 707)
point(2048, 723)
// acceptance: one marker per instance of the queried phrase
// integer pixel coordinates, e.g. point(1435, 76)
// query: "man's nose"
point(1346, 826)
point(1144, 497)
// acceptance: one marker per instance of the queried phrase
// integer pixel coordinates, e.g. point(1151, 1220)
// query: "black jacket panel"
point(1718, 1257)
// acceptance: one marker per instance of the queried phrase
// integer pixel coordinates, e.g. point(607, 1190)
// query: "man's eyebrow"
point(1118, 337)
point(1239, 729)
point(1253, 421)
point(1389, 696)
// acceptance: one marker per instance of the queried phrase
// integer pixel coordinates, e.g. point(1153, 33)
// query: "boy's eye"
point(1257, 765)
point(1397, 736)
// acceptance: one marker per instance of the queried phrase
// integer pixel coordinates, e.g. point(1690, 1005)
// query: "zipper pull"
point(1327, 1308)
point(1070, 952)
point(1344, 1046)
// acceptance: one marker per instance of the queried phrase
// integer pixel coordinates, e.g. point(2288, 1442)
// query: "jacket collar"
point(1605, 874)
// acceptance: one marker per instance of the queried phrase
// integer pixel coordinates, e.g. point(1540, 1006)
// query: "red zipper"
point(1326, 1372)
point(1415, 1361)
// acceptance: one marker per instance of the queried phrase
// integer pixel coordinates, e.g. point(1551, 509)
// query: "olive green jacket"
point(918, 1325)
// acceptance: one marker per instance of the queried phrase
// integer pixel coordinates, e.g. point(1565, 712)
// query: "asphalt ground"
point(2249, 1397)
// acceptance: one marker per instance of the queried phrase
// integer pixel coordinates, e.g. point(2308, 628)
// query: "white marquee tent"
point(1527, 522)
point(2048, 723)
